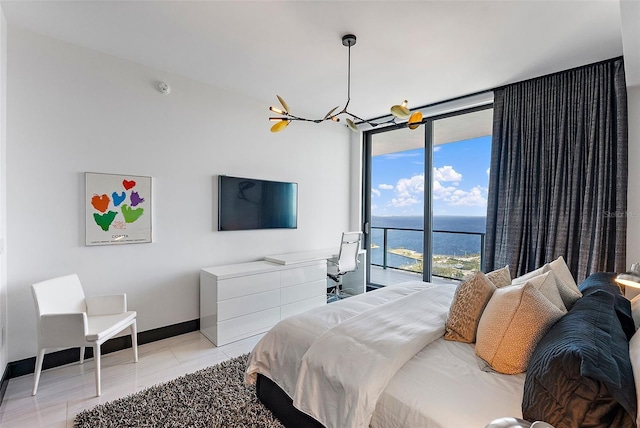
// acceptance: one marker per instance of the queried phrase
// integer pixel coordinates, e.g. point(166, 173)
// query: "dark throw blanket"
point(580, 373)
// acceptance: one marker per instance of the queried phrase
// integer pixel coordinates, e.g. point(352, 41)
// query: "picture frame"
point(118, 209)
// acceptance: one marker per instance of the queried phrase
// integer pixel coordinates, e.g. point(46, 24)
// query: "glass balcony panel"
point(455, 254)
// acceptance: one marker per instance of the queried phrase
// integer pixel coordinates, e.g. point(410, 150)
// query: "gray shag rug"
point(213, 397)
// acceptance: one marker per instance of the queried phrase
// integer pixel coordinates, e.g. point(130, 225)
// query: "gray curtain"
point(558, 179)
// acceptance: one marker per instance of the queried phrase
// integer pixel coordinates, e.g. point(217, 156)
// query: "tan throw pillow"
point(512, 324)
point(547, 284)
point(469, 301)
point(566, 284)
point(500, 277)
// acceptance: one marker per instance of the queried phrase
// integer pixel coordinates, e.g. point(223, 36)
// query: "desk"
point(353, 282)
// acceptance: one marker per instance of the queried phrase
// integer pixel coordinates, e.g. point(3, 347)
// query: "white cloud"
point(375, 192)
point(409, 191)
point(407, 186)
point(446, 173)
point(475, 197)
point(442, 192)
point(488, 171)
point(436, 148)
point(453, 196)
point(404, 202)
point(385, 186)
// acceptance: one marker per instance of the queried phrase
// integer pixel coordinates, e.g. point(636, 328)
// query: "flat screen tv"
point(249, 203)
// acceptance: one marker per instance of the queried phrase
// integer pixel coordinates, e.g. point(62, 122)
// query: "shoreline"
point(415, 255)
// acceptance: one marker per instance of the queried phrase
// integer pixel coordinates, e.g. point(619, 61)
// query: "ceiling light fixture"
point(398, 111)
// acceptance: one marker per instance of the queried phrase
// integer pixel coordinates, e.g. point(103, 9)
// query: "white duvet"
point(335, 361)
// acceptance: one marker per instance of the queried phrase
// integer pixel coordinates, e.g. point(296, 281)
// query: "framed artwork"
point(118, 209)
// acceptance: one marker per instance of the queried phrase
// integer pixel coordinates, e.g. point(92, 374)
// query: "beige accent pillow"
point(547, 284)
point(469, 301)
point(500, 277)
point(512, 324)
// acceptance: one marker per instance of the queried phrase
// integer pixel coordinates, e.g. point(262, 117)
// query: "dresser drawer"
point(247, 325)
point(244, 305)
point(302, 306)
point(249, 284)
point(303, 274)
point(303, 291)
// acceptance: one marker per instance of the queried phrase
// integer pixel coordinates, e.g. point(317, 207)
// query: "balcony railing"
point(454, 266)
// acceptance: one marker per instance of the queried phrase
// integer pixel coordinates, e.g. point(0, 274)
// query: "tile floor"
point(65, 391)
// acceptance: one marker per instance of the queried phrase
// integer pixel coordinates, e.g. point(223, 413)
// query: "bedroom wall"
point(72, 110)
point(3, 184)
point(633, 201)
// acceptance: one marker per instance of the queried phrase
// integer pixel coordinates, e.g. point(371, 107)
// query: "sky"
point(460, 180)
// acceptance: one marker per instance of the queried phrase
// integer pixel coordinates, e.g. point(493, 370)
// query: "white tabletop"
point(303, 256)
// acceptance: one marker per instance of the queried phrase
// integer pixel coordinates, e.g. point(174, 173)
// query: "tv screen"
point(248, 203)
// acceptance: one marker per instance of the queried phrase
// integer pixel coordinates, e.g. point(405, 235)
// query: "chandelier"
point(399, 111)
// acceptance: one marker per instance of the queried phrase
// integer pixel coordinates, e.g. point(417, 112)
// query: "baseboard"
point(67, 356)
point(4, 382)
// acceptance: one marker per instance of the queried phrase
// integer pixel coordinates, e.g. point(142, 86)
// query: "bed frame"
point(276, 400)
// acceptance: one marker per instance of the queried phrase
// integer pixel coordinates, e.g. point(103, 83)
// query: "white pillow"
point(547, 284)
point(634, 356)
point(527, 276)
point(560, 268)
point(566, 284)
point(635, 312)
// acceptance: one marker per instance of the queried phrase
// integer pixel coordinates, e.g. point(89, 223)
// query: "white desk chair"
point(66, 319)
point(346, 262)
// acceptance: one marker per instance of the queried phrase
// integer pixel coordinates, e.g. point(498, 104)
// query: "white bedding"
point(380, 341)
point(440, 386)
point(443, 387)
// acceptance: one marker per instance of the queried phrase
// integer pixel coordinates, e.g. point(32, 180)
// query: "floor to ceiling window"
point(433, 179)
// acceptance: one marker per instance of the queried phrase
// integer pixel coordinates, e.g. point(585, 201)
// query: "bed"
point(381, 360)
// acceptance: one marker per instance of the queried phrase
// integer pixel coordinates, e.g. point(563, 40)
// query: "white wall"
point(72, 110)
point(3, 183)
point(633, 201)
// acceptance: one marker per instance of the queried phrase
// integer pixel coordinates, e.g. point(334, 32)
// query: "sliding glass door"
point(395, 205)
point(432, 179)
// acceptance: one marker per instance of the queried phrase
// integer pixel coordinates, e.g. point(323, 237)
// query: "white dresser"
point(245, 299)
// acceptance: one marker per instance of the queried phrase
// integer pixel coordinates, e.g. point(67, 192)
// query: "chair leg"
point(96, 359)
point(134, 340)
point(82, 355)
point(36, 374)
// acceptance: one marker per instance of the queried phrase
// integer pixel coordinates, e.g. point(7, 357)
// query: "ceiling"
point(423, 51)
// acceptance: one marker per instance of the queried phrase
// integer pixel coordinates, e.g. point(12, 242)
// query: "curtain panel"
point(558, 178)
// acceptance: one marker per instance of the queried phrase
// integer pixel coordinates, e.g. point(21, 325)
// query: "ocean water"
point(451, 244)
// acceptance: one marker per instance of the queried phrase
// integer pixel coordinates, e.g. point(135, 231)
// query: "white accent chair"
point(66, 319)
point(346, 262)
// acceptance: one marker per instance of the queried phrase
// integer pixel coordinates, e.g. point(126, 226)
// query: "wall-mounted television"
point(249, 203)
